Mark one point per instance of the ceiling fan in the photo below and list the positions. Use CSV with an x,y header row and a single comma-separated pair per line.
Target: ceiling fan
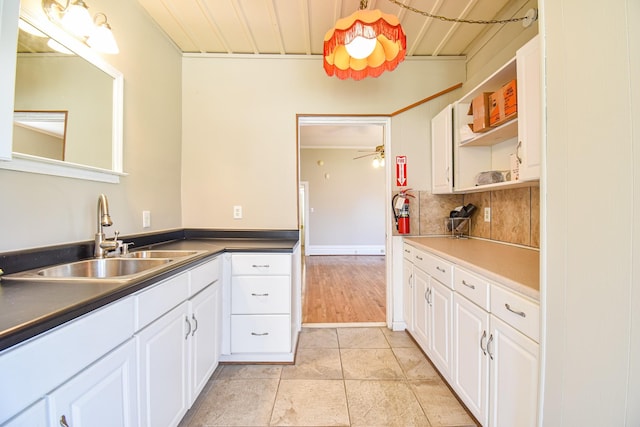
x,y
378,160
379,153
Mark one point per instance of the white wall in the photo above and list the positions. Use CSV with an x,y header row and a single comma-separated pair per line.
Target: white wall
x,y
591,211
239,128
38,210
347,197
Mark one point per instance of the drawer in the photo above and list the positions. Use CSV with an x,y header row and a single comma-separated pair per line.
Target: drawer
x,y
440,270
407,252
521,313
474,287
260,334
203,275
261,295
260,264
161,298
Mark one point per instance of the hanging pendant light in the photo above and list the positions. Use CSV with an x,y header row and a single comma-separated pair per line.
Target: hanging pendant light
x,y
365,44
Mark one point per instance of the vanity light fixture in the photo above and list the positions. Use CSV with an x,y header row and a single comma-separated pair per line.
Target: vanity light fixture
x,y
74,18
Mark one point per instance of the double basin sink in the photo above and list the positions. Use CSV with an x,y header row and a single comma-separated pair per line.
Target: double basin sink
x,y
122,269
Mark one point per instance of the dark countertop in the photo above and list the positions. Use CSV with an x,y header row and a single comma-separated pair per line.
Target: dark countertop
x,y
30,308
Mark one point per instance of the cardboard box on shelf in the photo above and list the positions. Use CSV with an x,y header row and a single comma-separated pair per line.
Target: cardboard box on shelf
x,y
479,108
503,104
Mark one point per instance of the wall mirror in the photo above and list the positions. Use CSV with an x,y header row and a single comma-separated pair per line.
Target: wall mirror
x,y
57,75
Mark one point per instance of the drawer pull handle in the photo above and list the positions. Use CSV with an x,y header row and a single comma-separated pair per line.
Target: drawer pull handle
x,y
407,251
484,349
256,334
519,313
186,319
260,266
63,421
468,285
419,257
440,269
259,295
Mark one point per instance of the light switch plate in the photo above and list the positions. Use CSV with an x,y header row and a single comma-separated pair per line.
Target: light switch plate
x,y
487,214
146,219
237,212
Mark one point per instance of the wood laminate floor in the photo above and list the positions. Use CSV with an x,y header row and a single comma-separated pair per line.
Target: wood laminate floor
x,y
343,289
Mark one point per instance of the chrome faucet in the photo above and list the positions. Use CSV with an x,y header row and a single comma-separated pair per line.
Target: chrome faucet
x,y
102,245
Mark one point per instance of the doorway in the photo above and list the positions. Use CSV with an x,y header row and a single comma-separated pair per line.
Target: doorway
x,y
345,267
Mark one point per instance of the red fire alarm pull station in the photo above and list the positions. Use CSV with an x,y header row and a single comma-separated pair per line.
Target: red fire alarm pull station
x,y
401,171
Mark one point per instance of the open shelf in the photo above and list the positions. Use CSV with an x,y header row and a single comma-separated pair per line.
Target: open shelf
x,y
495,136
497,186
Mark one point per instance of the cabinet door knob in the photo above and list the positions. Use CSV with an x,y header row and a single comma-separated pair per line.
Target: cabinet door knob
x,y
261,334
63,421
260,266
260,295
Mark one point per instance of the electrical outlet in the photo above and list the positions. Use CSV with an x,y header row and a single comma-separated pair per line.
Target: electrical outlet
x,y
237,212
487,214
146,219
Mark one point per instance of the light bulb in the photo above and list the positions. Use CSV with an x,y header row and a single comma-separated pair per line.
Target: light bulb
x,y
102,40
376,163
77,20
361,47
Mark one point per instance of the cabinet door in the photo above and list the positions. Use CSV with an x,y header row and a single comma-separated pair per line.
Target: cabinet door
x,y
34,416
529,73
513,378
407,294
441,152
9,12
421,315
103,395
470,373
206,311
163,360
441,306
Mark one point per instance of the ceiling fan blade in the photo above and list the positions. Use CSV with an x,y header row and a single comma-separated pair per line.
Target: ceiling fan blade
x,y
366,155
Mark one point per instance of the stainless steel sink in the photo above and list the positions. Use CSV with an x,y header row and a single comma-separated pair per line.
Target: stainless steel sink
x,y
119,270
161,254
102,268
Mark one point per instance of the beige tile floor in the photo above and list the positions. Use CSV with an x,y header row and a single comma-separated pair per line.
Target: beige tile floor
x,y
342,377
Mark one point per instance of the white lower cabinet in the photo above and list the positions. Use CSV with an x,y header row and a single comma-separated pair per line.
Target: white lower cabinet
x,y
470,360
178,352
163,366
261,325
431,308
102,395
440,313
33,416
408,293
481,336
513,381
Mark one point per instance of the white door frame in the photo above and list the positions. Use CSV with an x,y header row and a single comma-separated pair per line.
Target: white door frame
x,y
385,122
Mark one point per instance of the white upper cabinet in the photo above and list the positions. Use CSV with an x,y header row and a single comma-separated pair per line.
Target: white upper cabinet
x,y
530,122
441,148
460,156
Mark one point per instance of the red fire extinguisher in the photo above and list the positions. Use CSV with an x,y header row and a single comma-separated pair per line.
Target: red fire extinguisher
x,y
400,206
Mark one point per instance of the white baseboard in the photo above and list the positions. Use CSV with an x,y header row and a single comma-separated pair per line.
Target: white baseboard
x,y
344,250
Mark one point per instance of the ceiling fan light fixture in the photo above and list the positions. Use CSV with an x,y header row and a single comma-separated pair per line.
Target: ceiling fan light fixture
x,y
364,44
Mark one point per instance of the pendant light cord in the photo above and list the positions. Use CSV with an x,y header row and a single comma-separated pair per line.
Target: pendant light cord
x,y
465,21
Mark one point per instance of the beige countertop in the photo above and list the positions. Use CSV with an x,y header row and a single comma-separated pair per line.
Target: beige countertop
x,y
512,266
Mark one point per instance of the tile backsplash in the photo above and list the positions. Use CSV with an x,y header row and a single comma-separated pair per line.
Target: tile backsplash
x,y
515,214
